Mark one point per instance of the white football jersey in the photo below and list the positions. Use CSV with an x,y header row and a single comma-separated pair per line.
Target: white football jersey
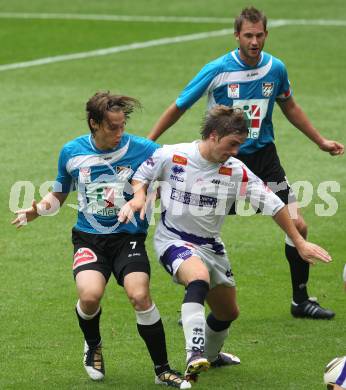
x,y
197,194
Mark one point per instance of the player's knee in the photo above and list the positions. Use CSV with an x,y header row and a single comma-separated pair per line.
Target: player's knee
x,y
90,301
140,299
198,274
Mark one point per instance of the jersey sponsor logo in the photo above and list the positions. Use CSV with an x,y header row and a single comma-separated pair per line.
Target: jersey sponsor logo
x,y
109,197
233,91
105,199
150,162
229,184
177,171
179,159
267,89
193,199
83,256
225,171
255,110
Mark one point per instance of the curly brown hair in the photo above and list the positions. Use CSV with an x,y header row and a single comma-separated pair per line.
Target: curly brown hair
x,y
102,102
225,121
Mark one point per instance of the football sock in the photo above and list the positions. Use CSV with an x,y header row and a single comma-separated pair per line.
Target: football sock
x,y
216,332
150,328
299,274
90,325
193,316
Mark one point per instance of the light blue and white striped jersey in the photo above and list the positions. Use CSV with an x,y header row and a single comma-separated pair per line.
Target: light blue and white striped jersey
x,y
102,181
229,81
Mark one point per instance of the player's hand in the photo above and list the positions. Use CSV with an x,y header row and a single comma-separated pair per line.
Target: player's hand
x,y
311,253
334,148
126,213
25,215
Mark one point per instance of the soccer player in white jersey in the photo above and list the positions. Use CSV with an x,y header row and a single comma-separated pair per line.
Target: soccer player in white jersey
x,y
99,166
199,182
254,80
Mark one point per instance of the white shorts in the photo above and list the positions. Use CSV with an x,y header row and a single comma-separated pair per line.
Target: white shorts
x,y
172,251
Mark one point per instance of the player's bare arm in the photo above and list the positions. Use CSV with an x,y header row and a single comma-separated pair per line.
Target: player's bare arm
x,y
167,119
50,204
299,119
137,203
307,250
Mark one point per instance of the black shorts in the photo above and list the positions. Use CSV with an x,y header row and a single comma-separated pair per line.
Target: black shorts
x,y
117,253
265,164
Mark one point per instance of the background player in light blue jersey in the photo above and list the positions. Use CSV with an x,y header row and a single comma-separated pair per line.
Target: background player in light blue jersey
x,y
99,166
254,80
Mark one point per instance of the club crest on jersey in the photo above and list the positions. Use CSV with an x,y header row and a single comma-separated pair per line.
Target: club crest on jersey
x,y
179,159
233,91
83,256
85,175
267,89
225,171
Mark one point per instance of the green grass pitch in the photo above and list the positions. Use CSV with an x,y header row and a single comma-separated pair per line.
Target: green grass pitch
x,y
42,107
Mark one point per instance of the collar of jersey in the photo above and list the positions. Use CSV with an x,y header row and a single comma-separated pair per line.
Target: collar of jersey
x,y
122,142
243,64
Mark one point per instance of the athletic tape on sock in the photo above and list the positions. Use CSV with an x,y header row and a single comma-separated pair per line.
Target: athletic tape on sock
x,y
86,316
149,316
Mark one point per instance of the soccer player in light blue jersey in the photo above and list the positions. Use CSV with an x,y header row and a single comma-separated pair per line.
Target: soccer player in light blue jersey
x,y
99,166
253,80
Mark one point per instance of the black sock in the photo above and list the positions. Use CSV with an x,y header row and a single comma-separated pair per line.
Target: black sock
x,y
299,274
154,338
90,329
217,325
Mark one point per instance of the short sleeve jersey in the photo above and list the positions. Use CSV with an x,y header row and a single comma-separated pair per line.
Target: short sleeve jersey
x,y
229,81
196,194
102,181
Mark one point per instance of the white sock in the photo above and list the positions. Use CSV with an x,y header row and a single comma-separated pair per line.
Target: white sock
x,y
214,342
193,318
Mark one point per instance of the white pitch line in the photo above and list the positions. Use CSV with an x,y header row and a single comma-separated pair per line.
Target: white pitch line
x,y
164,19
115,18
155,42
116,49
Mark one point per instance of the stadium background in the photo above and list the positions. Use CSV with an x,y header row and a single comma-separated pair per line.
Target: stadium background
x,y
42,107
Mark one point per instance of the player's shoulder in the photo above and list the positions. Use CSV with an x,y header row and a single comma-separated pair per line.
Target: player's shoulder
x,y
139,141
78,145
276,62
236,165
183,149
218,64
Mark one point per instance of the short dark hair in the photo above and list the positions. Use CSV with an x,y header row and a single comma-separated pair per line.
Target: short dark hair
x,y
102,102
252,15
225,121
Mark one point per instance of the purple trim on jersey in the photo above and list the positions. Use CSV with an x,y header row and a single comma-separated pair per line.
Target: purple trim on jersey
x,y
342,377
189,237
173,253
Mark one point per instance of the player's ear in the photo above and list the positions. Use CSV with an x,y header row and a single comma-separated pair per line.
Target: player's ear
x,y
236,35
94,125
213,135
